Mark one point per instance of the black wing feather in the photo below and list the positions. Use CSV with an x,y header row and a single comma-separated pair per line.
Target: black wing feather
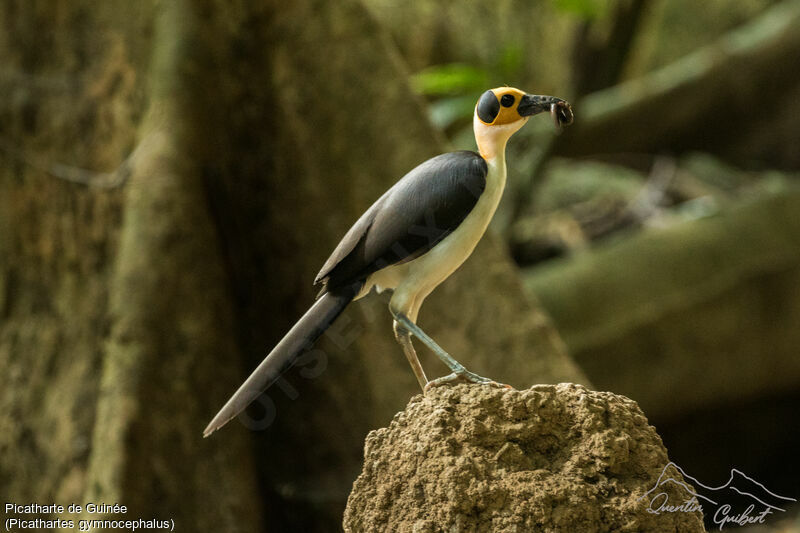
x,y
420,210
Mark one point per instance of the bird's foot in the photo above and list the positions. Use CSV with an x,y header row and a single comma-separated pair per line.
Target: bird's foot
x,y
464,376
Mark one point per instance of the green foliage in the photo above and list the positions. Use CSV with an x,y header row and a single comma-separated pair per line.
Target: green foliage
x,y
455,87
450,79
584,9
510,62
452,110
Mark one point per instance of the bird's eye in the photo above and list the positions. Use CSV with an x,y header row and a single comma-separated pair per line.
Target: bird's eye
x,y
507,100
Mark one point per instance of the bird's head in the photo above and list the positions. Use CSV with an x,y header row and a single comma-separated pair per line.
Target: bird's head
x,y
501,112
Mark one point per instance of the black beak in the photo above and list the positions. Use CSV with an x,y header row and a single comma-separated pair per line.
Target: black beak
x,y
532,104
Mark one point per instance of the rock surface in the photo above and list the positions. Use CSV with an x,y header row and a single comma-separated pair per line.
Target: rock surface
x,y
550,458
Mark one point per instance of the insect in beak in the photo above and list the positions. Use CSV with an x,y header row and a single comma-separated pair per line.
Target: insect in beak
x,y
561,112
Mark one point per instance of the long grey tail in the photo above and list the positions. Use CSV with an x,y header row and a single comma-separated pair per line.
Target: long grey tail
x,y
299,339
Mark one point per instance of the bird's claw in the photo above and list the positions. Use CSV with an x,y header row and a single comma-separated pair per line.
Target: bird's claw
x,y
465,377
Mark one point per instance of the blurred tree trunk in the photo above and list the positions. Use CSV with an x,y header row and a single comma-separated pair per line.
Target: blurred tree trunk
x,y
116,316
598,61
699,326
130,314
706,309
732,98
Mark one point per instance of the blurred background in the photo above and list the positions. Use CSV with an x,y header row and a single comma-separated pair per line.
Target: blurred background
x,y
173,175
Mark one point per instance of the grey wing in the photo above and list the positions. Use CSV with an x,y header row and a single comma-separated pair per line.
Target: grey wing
x,y
420,210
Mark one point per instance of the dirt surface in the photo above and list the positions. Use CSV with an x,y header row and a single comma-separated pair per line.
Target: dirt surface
x,y
550,458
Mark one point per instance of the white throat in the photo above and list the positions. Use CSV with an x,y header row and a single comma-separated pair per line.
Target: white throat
x,y
492,140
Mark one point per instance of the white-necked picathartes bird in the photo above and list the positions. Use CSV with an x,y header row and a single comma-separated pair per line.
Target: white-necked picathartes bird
x,y
410,240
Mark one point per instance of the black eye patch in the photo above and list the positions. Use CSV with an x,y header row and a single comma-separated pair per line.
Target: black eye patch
x,y
488,107
507,100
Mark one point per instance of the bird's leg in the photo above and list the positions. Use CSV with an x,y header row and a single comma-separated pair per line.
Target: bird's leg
x,y
403,337
459,372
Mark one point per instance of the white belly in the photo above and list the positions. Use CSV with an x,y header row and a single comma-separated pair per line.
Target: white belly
x,y
414,280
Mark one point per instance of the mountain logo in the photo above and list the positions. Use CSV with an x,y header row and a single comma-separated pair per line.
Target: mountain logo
x,y
741,500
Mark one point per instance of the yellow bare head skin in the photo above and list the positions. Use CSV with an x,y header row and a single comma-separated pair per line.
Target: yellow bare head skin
x,y
502,109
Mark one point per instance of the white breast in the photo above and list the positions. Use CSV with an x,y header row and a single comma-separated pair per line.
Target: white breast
x,y
414,280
